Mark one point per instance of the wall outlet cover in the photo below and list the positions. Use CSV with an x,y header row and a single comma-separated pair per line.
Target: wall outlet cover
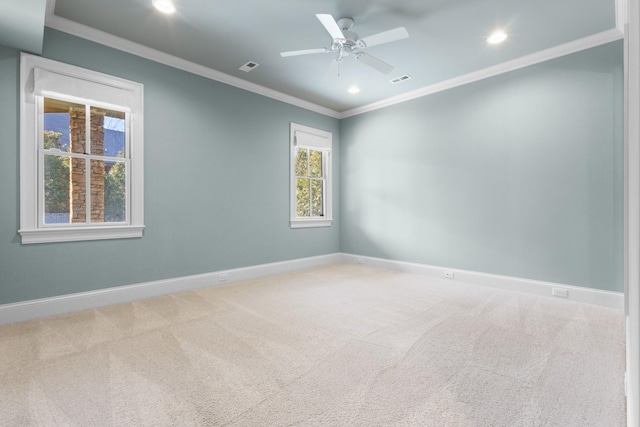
x,y
560,292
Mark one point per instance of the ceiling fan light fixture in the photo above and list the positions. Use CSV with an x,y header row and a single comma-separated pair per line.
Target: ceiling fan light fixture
x,y
164,6
497,37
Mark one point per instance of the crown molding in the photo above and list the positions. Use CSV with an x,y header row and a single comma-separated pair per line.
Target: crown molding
x,y
505,67
67,26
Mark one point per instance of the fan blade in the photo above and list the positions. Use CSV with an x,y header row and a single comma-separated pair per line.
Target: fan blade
x,y
374,62
304,52
384,37
330,25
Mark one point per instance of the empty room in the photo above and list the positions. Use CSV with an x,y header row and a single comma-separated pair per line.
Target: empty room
x,y
320,213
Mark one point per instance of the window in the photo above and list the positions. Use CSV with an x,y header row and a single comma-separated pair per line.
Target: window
x,y
81,154
310,177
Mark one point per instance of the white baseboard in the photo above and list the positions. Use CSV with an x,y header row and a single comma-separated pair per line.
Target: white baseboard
x,y
533,287
35,309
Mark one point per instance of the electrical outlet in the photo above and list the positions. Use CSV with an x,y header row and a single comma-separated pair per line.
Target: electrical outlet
x,y
448,274
559,292
223,277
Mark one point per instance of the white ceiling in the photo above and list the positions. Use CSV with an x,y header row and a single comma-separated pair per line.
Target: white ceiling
x,y
447,39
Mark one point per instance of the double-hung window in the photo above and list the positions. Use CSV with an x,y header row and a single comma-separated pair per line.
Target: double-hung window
x,y
310,177
81,175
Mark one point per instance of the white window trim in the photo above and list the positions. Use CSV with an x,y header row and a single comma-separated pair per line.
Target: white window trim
x,y
321,140
30,229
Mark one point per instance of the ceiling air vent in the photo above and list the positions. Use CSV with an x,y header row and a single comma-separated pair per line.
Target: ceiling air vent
x,y
400,79
249,66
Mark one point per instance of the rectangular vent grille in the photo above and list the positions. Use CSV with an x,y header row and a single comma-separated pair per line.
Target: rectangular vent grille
x,y
249,66
400,79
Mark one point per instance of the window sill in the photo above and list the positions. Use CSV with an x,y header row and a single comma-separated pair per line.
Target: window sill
x,y
308,223
51,235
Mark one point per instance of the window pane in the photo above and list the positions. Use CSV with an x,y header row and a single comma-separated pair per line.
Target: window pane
x,y
56,190
303,199
77,129
315,162
302,164
97,190
97,133
108,191
107,132
317,197
78,190
57,126
115,185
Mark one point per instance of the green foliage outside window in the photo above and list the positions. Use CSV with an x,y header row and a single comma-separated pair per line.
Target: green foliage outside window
x,y
56,178
315,163
302,162
115,193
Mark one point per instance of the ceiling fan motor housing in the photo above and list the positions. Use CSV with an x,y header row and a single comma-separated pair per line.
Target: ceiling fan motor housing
x,y
349,44
345,24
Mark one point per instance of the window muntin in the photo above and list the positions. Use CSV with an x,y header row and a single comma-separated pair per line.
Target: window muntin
x,y
310,177
74,186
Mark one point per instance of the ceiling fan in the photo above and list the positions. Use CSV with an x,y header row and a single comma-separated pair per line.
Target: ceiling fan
x,y
345,42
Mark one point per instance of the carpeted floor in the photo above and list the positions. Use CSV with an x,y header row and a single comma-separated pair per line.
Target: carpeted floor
x,y
336,346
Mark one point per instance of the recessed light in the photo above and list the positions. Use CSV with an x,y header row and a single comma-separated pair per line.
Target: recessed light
x,y
497,37
353,90
164,6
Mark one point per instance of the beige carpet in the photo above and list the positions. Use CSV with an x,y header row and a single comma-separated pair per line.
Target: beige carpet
x,y
337,346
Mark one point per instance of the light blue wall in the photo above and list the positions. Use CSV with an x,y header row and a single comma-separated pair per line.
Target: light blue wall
x,y
519,175
216,182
